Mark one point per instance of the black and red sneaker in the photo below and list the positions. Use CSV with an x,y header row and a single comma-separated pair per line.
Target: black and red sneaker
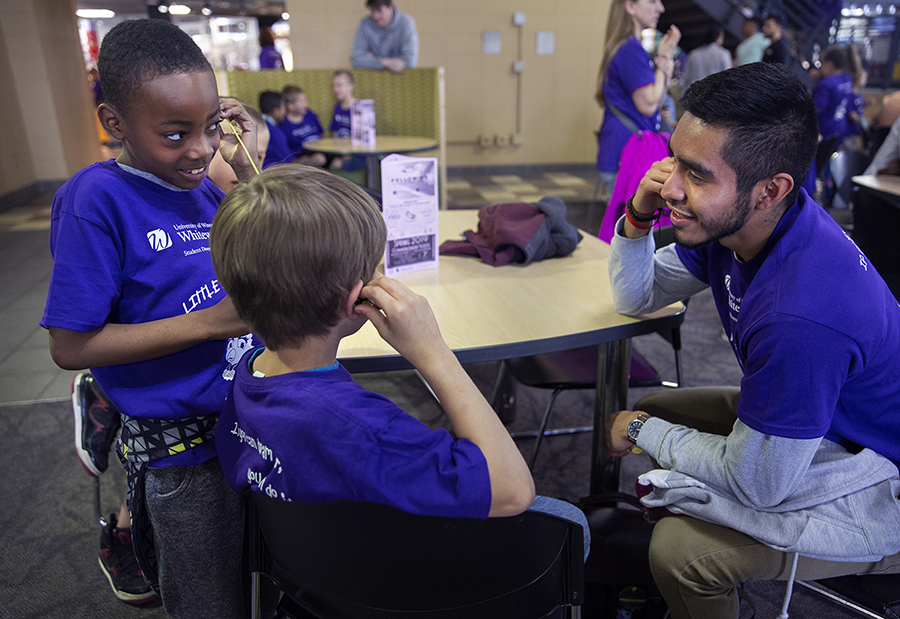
x,y
121,567
97,423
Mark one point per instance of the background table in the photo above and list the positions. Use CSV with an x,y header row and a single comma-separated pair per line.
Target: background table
x,y
490,313
876,224
384,145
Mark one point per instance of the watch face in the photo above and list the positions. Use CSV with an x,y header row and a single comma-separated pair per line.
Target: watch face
x,y
634,428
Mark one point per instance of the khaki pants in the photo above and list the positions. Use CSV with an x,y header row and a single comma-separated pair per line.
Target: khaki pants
x,y
697,565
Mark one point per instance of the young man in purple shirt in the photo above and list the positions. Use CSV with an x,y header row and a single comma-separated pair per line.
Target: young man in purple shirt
x,y
798,466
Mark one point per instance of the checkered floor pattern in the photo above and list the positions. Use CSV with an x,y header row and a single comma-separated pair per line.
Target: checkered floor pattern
x,y
476,191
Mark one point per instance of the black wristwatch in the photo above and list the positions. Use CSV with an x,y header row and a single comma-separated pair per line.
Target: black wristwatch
x,y
634,428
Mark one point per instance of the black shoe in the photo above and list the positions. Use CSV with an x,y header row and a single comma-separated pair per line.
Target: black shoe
x,y
121,568
97,423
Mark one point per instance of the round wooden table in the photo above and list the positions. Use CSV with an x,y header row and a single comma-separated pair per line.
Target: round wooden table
x,y
384,145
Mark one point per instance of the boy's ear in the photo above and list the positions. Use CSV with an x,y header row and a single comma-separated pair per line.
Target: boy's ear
x,y
350,301
111,120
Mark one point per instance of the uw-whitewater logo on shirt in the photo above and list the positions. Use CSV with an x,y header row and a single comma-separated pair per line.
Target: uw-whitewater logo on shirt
x,y
159,239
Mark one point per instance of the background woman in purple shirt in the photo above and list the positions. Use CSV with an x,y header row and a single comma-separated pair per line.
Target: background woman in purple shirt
x,y
630,79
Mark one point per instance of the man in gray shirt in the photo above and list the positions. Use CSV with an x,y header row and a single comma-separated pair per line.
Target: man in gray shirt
x,y
387,39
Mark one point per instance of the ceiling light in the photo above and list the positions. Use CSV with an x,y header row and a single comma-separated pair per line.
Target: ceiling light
x,y
285,16
179,9
206,10
163,8
95,13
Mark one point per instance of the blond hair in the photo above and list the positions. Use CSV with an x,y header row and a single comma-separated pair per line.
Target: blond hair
x,y
619,29
289,245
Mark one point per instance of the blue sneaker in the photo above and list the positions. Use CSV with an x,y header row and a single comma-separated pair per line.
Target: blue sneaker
x,y
97,423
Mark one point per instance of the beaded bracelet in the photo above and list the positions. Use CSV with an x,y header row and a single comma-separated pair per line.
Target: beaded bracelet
x,y
629,209
634,223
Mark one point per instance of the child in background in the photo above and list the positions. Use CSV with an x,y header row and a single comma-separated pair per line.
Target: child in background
x,y
295,249
221,174
133,296
272,107
300,125
343,85
838,107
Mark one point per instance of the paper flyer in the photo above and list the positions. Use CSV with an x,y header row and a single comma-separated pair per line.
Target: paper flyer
x,y
409,196
362,122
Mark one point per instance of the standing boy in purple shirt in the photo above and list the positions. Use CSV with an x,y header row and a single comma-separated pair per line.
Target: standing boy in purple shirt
x,y
134,297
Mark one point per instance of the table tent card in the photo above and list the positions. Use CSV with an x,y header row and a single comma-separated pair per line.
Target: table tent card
x,y
362,122
409,196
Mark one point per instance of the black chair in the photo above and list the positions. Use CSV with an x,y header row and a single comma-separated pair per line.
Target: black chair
x,y
869,595
364,560
573,369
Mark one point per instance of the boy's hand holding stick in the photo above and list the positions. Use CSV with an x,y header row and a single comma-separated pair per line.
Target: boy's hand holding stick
x,y
237,146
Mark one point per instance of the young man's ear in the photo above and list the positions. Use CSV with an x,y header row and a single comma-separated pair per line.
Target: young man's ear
x,y
774,190
111,120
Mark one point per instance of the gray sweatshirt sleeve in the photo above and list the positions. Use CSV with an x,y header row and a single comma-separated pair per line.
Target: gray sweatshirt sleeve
x,y
409,42
760,470
889,151
359,56
644,280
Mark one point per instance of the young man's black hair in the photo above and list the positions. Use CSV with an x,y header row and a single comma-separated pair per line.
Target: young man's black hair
x,y
770,130
139,50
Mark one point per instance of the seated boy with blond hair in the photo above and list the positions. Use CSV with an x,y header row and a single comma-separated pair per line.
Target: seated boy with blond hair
x,y
297,250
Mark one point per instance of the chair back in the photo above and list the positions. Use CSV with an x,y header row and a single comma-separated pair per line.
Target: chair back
x,y
362,560
844,165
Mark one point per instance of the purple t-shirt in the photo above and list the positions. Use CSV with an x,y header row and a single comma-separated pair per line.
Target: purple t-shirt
x,y
834,99
631,68
269,58
340,122
307,130
278,150
815,330
127,250
318,436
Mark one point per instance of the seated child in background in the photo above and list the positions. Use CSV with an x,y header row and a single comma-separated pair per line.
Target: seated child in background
x,y
295,249
220,173
272,107
300,125
343,85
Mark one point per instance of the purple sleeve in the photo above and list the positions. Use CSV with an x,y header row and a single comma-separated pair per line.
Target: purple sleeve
x,y
428,472
790,395
634,66
86,280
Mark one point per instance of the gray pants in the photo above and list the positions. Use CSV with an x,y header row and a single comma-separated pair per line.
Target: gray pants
x,y
697,565
198,529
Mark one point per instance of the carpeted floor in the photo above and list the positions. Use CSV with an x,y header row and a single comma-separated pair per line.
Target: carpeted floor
x,y
49,539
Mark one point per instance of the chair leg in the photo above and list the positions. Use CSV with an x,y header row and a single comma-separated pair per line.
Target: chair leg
x,y
255,601
98,513
542,429
503,400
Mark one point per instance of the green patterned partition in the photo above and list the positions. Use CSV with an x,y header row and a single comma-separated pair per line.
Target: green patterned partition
x,y
405,104
411,103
